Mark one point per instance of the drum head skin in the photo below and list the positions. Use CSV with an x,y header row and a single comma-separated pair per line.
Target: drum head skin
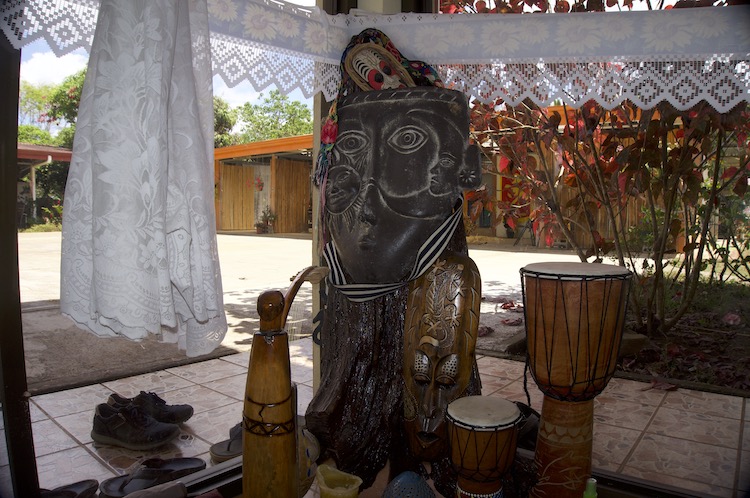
x,y
484,412
562,270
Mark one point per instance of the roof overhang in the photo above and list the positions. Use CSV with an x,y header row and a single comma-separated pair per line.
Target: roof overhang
x,y
301,144
29,155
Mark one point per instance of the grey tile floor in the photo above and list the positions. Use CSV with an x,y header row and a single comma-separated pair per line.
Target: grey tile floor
x,y
692,440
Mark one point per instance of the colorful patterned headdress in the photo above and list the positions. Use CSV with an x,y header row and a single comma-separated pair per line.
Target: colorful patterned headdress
x,y
367,50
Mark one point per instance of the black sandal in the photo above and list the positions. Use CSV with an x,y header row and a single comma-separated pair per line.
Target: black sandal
x,y
80,489
151,472
229,448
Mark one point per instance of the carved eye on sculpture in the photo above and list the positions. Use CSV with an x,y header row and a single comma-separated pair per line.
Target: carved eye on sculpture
x,y
448,371
421,368
375,77
407,139
342,188
351,142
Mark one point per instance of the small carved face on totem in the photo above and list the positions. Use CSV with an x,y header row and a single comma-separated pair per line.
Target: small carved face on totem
x,y
439,341
372,67
399,164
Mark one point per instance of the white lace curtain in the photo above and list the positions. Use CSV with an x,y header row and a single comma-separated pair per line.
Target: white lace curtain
x,y
683,56
139,252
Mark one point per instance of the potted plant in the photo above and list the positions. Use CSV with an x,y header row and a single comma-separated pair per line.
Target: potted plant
x,y
267,218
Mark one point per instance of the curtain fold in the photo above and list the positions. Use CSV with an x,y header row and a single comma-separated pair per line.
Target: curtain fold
x,y
139,253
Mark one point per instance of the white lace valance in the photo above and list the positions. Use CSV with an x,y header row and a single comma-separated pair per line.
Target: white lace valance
x,y
683,56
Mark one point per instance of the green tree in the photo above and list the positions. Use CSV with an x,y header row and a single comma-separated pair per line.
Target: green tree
x,y
275,117
31,134
65,99
33,104
65,136
224,120
50,181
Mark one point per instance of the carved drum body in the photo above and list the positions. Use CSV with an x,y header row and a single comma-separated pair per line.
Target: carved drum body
x,y
483,432
575,314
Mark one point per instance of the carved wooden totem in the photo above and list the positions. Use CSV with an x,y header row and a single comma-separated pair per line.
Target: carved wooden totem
x,y
393,205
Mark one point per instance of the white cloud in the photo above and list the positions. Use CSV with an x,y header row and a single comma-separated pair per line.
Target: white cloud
x,y
39,65
237,95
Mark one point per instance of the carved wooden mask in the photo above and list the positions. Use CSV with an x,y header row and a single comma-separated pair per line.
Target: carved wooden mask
x,y
440,334
400,162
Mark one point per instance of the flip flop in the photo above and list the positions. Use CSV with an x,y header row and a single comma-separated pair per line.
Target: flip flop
x,y
152,472
229,448
80,489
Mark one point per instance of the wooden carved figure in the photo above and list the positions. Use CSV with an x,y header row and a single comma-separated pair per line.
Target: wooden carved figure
x,y
442,318
392,206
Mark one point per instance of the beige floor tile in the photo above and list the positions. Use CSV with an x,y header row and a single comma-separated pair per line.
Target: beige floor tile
x,y
234,387
621,412
208,371
69,466
3,452
500,367
304,396
612,445
160,382
682,459
36,413
78,425
122,460
241,359
216,389
6,486
50,438
302,347
744,478
200,398
719,405
515,392
690,486
214,425
634,391
77,400
302,369
491,384
696,426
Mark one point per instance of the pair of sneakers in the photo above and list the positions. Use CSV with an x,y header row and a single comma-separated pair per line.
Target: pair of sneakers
x,y
140,423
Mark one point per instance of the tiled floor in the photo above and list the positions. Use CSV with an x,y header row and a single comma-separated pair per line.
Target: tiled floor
x,y
689,439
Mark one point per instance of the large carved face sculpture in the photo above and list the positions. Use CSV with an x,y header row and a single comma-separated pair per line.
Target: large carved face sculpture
x,y
442,318
399,164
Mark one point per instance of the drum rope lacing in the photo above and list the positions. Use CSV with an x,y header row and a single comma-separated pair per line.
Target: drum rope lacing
x,y
577,329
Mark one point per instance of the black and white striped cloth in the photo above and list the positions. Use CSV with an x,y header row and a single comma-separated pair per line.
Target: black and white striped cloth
x,y
427,254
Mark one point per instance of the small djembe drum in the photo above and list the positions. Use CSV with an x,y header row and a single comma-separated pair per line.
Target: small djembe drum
x,y
482,434
574,314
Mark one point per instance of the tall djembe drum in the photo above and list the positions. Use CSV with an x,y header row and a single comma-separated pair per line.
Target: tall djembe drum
x,y
575,314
